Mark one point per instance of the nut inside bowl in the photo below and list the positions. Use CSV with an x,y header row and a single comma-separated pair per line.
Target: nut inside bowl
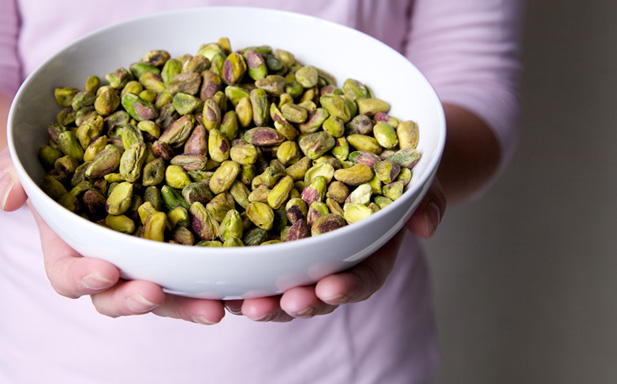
x,y
241,272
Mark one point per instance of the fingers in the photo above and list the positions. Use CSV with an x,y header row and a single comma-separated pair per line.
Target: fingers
x,y
265,309
355,285
302,302
362,281
129,298
70,274
200,311
12,195
427,217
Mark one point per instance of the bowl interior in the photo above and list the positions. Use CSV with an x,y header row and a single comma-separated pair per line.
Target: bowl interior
x,y
339,50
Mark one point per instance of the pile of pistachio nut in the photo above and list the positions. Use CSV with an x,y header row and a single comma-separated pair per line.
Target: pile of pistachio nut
x,y
225,148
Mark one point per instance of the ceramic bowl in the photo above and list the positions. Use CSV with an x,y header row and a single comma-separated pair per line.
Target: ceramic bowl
x,y
228,273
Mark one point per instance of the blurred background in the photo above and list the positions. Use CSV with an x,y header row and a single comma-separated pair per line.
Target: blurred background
x,y
525,278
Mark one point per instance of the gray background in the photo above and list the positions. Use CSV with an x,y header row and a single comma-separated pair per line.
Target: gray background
x,y
525,278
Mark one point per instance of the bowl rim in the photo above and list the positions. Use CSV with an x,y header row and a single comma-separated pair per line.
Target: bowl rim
x,y
419,184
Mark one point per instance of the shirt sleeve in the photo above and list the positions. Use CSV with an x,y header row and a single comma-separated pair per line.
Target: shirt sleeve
x,y
10,68
469,52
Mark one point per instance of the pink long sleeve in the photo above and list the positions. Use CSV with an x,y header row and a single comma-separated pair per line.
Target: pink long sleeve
x,y
468,50
9,63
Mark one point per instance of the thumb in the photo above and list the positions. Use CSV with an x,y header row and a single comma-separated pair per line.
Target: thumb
x,y
12,195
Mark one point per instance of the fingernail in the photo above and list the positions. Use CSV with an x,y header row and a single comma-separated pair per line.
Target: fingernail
x,y
6,185
336,299
96,282
201,320
233,309
138,304
266,317
305,313
432,216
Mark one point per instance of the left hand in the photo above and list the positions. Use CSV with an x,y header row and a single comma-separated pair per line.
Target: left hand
x,y
351,286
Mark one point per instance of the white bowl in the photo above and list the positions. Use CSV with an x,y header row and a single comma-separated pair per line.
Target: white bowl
x,y
228,273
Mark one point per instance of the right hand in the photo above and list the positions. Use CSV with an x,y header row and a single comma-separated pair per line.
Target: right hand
x,y
73,275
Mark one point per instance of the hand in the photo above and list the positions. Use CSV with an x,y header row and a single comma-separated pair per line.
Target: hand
x,y
73,276
354,285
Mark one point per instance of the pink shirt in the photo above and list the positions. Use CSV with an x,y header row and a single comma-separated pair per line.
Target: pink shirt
x,y
467,49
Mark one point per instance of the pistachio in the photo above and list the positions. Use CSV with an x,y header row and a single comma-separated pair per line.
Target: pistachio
x,y
261,215
356,212
260,107
153,172
255,236
385,135
153,82
354,89
185,103
298,169
360,124
407,157
361,195
408,134
280,192
197,143
315,191
218,146
183,236
364,143
337,191
220,205
93,83
387,170
294,113
371,106
197,192
326,223
224,176
393,190
69,145
176,177
120,223
132,161
272,84
119,200
105,162
244,110
179,217
48,156
52,187
366,158
355,175
155,57
382,201
243,153
196,64
176,134
264,137
288,152
256,64
154,226
336,106
307,76
296,209
119,78
231,226
204,224
138,108
316,144
287,130
234,68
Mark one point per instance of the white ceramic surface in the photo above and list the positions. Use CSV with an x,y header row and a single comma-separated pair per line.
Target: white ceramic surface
x,y
225,273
